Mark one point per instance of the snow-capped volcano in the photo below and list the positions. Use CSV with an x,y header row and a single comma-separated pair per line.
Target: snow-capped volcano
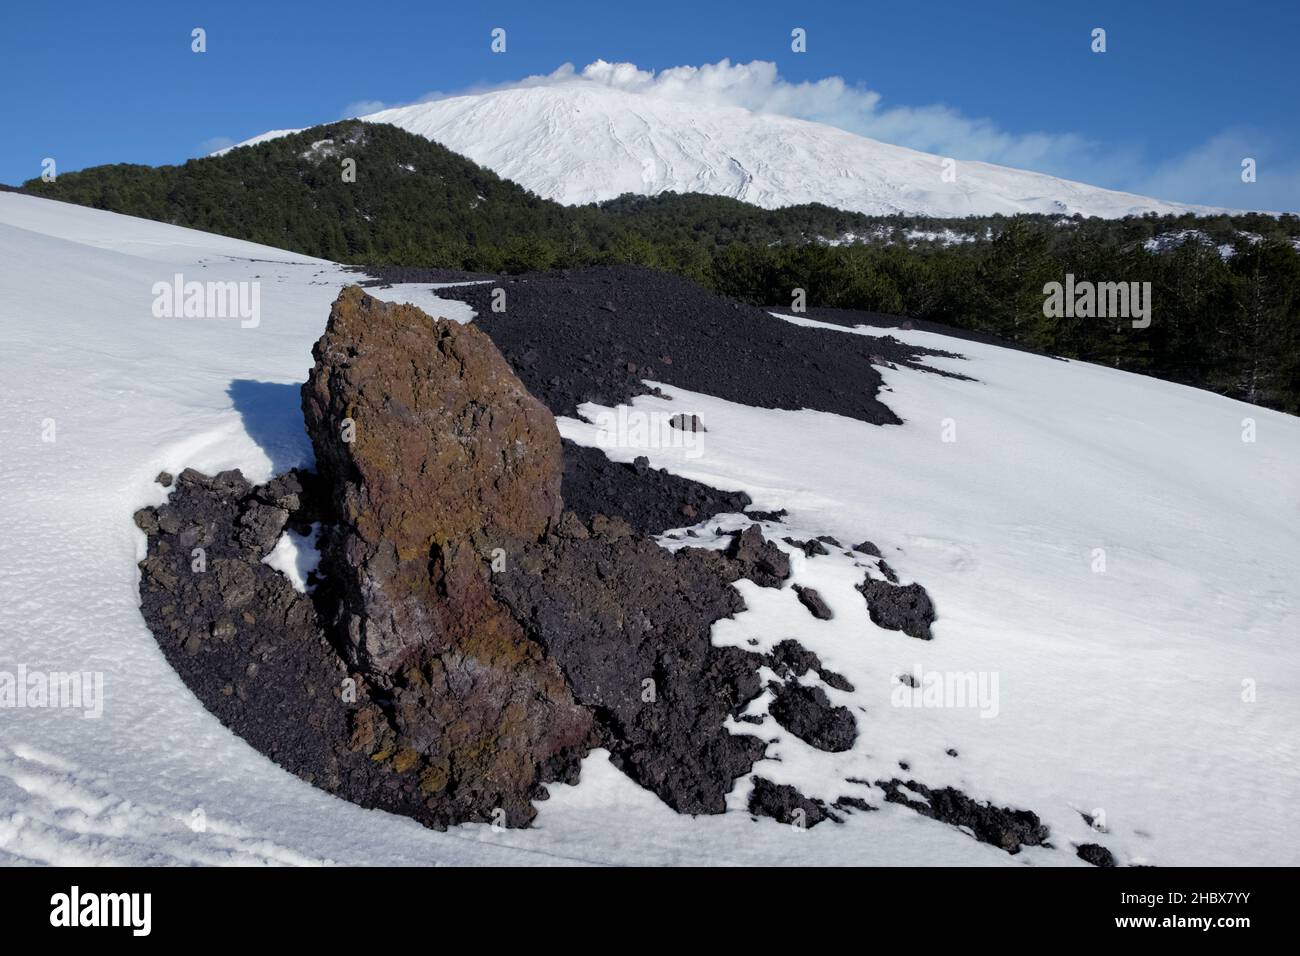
x,y
581,142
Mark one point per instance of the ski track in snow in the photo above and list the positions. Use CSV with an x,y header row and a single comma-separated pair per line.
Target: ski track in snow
x,y
1119,691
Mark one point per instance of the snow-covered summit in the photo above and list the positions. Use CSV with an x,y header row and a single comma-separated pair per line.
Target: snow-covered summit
x,y
579,142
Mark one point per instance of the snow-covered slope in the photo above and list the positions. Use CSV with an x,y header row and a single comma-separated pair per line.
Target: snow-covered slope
x,y
582,142
1119,690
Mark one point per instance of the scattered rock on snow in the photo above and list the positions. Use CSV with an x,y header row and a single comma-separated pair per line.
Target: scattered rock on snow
x,y
785,803
887,571
808,714
853,803
764,563
809,548
1096,854
687,423
1000,826
790,659
813,601
899,608
472,687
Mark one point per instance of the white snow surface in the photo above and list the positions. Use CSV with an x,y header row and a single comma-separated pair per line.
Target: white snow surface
x,y
580,142
296,556
1119,691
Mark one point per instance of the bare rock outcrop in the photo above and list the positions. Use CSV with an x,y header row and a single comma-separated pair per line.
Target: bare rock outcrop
x,y
438,461
435,455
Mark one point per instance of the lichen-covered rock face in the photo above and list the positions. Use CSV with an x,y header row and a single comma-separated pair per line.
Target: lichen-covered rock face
x,y
435,455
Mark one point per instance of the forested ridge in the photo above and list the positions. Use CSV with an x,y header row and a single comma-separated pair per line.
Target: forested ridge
x,y
1225,290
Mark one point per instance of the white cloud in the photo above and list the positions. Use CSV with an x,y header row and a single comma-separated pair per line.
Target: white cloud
x,y
210,146
362,108
1213,170
758,86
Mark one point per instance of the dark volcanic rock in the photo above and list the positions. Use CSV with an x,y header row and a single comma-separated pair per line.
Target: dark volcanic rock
x,y
809,548
651,500
853,803
1001,826
866,547
629,624
211,602
597,334
763,562
786,804
898,608
1096,854
251,648
812,600
808,714
687,423
791,659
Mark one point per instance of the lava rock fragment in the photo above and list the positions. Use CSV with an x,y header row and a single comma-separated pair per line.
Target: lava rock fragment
x,y
905,608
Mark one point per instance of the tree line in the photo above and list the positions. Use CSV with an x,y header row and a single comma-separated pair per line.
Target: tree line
x,y
1225,290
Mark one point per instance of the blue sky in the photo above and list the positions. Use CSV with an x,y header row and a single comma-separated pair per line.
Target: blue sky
x,y
1184,91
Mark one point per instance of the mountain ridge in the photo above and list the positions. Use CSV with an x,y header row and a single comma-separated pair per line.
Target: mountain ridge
x,y
579,143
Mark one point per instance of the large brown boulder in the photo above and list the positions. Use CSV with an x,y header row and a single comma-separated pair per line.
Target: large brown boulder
x,y
435,457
